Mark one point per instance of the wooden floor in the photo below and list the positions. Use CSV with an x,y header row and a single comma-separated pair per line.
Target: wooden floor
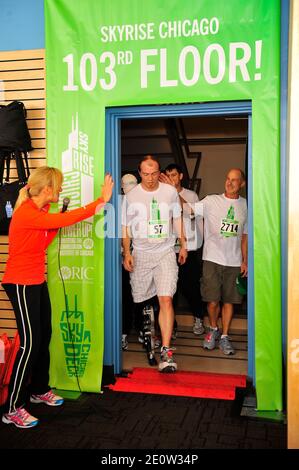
x,y
189,353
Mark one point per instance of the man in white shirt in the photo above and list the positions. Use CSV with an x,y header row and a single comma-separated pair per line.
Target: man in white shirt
x,y
224,255
151,211
190,272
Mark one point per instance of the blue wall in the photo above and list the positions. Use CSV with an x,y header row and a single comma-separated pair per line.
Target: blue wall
x,y
22,24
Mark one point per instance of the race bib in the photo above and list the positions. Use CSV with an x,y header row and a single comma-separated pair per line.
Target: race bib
x,y
158,230
229,228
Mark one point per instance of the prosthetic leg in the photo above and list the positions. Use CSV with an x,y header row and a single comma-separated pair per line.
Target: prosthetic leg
x,y
149,333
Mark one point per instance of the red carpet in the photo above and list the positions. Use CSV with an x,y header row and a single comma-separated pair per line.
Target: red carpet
x,y
183,383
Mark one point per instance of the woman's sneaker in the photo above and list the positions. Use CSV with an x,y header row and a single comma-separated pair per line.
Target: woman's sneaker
x,y
49,398
198,327
20,418
167,363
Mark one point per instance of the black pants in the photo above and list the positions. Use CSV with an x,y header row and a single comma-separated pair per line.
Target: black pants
x,y
189,283
30,372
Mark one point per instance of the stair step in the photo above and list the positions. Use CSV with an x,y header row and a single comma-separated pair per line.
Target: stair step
x,y
187,350
189,378
204,391
182,383
187,319
222,363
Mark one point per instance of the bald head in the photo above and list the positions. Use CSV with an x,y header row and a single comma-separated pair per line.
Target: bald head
x,y
149,171
241,173
235,181
149,159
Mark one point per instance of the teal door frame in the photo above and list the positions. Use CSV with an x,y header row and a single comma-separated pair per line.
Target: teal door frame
x,y
113,298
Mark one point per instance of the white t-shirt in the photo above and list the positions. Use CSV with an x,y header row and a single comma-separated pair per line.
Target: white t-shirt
x,y
225,221
193,225
149,215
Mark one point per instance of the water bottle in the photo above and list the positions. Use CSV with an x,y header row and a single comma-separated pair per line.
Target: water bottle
x,y
8,209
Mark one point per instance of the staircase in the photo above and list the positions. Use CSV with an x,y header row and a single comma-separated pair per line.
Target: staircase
x,y
189,353
182,383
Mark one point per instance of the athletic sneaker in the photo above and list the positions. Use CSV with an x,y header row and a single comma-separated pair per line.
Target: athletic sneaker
x,y
20,418
226,346
198,327
167,363
49,398
210,339
124,342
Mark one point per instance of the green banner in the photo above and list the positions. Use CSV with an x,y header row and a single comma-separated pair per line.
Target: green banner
x,y
127,52
75,265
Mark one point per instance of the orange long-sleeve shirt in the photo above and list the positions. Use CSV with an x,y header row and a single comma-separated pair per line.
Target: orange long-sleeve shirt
x,y
31,231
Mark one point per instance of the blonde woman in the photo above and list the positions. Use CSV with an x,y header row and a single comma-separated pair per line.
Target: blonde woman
x,y
31,231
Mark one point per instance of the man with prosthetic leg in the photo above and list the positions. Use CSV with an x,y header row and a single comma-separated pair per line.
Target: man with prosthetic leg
x,y
151,210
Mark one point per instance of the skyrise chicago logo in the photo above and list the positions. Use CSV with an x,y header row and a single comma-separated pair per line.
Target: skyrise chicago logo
x,y
76,340
77,166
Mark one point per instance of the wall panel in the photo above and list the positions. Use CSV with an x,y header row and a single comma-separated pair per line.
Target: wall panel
x,y
22,78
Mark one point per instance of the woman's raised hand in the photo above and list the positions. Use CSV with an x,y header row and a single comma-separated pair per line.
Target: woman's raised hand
x,y
107,187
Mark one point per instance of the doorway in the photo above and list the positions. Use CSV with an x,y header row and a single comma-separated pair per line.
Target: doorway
x,y
198,135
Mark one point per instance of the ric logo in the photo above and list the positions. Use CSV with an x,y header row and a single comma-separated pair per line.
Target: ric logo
x,y
76,273
76,340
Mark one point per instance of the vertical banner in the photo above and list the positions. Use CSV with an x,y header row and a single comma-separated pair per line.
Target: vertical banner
x,y
76,258
73,276
129,53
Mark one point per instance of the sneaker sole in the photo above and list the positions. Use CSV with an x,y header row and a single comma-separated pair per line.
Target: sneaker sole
x,y
168,370
228,353
27,426
209,347
37,400
199,332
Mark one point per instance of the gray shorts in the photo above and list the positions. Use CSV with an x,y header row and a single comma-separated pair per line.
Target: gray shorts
x,y
154,274
219,283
